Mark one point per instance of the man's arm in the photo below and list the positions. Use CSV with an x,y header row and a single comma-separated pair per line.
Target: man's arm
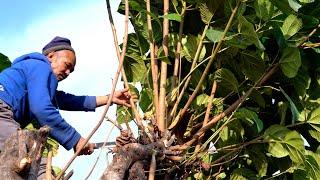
x,y
40,83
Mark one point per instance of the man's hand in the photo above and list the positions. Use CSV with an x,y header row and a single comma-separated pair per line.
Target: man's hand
x,y
86,150
122,97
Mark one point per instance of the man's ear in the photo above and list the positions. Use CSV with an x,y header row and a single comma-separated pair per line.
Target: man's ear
x,y
50,56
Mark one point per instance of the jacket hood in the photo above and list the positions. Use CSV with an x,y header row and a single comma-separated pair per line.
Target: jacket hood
x,y
35,55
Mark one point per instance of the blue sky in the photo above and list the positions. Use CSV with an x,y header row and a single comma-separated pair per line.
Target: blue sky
x,y
26,26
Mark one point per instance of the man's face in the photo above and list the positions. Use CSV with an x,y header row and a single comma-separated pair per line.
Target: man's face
x,y
62,63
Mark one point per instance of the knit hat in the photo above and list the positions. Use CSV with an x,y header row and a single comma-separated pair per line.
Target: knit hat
x,y
57,44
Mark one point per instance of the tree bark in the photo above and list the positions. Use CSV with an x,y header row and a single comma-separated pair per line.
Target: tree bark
x,y
136,172
127,155
22,152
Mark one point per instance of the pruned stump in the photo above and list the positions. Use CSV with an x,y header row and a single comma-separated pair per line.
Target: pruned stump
x,y
22,152
126,158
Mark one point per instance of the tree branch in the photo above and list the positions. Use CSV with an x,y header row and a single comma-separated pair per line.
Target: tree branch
x,y
214,53
154,71
163,76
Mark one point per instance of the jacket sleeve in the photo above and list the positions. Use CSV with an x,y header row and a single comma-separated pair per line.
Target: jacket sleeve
x,y
40,81
70,102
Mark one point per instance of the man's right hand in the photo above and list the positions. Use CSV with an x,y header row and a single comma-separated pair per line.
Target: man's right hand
x,y
86,150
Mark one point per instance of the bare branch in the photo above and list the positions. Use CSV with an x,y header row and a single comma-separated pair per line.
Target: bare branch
x,y
153,166
163,76
154,65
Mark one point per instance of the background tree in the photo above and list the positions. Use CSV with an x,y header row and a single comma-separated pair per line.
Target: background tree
x,y
241,86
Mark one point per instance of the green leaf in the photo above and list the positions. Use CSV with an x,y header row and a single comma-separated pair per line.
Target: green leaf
x,y
312,166
202,100
214,35
306,1
264,9
134,67
206,14
51,144
247,31
291,25
136,44
162,57
242,174
283,5
250,117
314,117
259,160
276,132
231,134
173,17
195,78
294,111
301,83
4,62
294,5
145,99
315,134
283,142
300,174
257,97
226,79
282,110
252,65
290,62
190,46
57,170
295,146
124,114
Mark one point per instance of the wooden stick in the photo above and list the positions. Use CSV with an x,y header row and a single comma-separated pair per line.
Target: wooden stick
x,y
124,77
206,117
153,166
154,65
163,75
49,164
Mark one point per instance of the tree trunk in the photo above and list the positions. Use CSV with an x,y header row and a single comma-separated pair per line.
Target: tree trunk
x,y
21,156
127,155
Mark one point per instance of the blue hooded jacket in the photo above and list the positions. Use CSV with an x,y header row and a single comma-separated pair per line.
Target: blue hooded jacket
x,y
29,87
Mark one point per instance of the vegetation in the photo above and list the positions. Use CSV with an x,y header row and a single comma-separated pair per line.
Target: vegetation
x,y
236,81
235,84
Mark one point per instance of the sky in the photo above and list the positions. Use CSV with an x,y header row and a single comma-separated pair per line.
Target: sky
x,y
26,26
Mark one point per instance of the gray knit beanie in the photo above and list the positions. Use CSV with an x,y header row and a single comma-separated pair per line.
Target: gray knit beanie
x,y
57,44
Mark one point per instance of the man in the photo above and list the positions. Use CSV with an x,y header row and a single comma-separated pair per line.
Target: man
x,y
28,90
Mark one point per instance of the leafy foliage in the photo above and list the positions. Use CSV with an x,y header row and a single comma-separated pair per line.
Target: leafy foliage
x,y
4,62
277,127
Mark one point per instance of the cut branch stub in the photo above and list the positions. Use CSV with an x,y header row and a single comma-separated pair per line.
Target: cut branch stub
x,y
127,155
21,156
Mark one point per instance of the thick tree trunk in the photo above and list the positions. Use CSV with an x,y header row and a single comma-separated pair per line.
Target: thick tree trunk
x,y
127,155
136,172
21,156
